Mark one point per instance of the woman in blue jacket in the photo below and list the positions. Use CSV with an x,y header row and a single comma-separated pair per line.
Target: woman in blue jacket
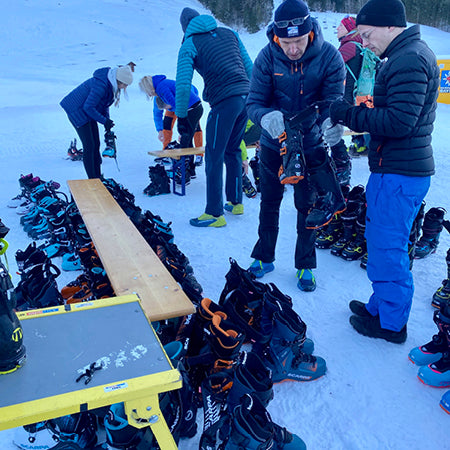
x,y
89,103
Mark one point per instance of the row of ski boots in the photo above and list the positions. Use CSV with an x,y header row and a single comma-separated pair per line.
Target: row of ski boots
x,y
344,235
158,234
433,358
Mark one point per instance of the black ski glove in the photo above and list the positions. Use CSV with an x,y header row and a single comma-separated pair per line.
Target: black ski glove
x,y
183,126
109,124
339,111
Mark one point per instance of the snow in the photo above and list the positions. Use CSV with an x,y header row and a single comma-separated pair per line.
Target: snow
x,y
370,398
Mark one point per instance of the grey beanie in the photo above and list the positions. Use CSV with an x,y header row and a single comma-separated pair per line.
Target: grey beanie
x,y
186,16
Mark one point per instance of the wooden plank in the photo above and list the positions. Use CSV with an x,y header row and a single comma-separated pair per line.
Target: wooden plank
x,y
129,261
177,153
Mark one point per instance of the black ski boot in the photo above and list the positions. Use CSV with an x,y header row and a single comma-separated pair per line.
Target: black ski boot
x,y
357,247
414,234
442,296
432,227
254,165
252,429
12,350
331,233
247,187
159,181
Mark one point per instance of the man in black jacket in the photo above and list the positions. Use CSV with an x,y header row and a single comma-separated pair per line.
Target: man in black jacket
x,y
400,160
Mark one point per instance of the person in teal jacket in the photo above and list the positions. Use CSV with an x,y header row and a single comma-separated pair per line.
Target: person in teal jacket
x,y
221,59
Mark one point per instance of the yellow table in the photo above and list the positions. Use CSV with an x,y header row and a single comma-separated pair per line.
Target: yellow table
x,y
61,344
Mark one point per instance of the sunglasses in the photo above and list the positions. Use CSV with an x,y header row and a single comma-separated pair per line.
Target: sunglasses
x,y
297,21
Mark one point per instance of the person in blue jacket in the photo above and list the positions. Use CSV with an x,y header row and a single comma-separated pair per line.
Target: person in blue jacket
x,y
400,161
295,70
220,58
163,91
88,104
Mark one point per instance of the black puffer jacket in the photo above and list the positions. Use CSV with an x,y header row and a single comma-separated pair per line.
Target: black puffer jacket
x,y
278,83
401,122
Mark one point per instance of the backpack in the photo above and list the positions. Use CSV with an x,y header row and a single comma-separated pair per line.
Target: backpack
x,y
364,83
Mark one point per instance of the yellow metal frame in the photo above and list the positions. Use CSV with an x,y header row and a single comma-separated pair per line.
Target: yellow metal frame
x,y
140,395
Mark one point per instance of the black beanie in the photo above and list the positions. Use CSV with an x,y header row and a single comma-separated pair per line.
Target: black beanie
x,y
382,13
289,10
186,16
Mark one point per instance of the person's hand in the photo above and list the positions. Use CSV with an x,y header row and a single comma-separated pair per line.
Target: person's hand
x,y
273,123
245,166
161,136
183,125
332,133
339,110
109,124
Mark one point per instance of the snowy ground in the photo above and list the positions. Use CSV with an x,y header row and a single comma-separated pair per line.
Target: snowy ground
x,y
370,397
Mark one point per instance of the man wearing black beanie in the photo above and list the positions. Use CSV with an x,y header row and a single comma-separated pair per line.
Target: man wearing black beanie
x,y
400,160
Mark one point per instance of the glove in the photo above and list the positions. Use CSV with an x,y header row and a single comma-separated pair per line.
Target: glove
x,y
273,123
109,124
183,125
339,110
332,133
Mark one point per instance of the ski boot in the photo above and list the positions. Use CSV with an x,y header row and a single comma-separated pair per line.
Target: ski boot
x,y
254,165
357,247
110,141
73,153
247,187
437,373
432,227
445,402
159,181
433,350
12,350
252,429
414,234
442,296
285,355
324,210
329,235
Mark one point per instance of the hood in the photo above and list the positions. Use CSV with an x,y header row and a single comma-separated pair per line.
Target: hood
x,y
312,50
201,24
186,16
101,74
156,79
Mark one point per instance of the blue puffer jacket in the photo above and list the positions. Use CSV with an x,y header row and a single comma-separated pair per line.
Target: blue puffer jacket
x,y
279,83
404,98
90,100
219,57
165,90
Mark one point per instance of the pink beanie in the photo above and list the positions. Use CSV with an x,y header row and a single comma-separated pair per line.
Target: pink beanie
x,y
349,23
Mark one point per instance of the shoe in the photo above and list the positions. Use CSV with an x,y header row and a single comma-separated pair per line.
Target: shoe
x,y
445,402
306,280
207,220
356,151
359,308
259,268
236,209
323,211
430,352
198,160
370,326
436,374
431,230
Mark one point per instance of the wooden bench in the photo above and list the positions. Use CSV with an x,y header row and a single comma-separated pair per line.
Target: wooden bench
x,y
129,261
178,156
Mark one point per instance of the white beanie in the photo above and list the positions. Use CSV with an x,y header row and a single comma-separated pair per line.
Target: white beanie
x,y
124,75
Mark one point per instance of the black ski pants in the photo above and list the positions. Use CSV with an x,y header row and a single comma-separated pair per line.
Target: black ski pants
x,y
320,180
90,138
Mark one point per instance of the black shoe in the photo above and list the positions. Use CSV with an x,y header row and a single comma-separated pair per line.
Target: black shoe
x,y
324,210
359,308
370,326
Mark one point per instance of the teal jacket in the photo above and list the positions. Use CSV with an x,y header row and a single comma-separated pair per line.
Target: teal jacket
x,y
219,57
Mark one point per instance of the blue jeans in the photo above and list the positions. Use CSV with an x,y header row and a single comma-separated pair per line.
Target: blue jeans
x,y
393,202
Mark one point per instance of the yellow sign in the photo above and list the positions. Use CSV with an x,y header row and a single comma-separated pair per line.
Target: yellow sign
x,y
444,83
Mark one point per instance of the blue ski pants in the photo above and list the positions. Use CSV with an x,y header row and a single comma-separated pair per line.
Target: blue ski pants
x,y
393,202
224,132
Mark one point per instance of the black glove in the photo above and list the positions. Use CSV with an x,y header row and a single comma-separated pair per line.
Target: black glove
x,y
183,125
109,124
339,110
